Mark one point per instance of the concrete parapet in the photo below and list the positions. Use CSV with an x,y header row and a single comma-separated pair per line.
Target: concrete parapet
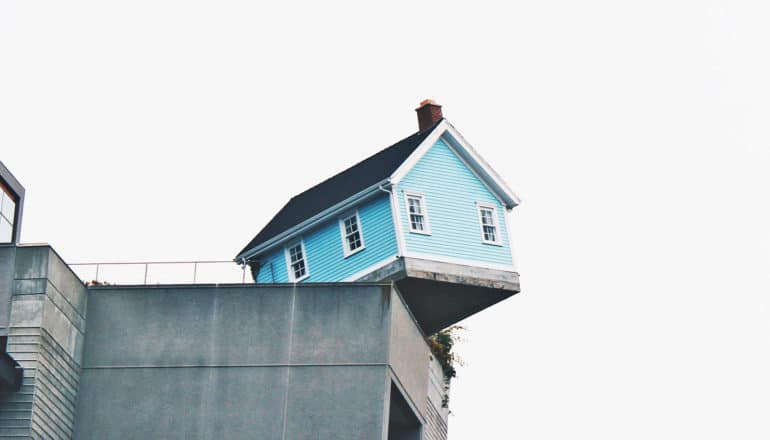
x,y
308,361
45,330
311,361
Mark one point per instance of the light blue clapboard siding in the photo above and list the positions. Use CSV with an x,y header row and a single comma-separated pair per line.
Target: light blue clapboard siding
x,y
273,268
451,191
323,245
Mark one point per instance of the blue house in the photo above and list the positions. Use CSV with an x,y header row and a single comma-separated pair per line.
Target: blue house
x,y
427,213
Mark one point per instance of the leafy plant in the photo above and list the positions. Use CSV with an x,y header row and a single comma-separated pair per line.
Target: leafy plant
x,y
441,344
97,283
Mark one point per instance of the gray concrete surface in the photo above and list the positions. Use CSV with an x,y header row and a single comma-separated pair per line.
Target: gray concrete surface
x,y
45,335
315,361
440,294
407,350
7,258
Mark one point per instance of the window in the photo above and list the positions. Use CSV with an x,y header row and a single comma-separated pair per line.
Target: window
x,y
402,423
7,214
418,213
352,238
296,263
488,220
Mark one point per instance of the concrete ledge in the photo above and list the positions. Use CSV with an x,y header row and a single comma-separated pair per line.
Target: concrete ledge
x,y
441,294
461,274
236,285
405,267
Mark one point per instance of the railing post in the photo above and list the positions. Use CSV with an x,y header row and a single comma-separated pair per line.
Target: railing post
x,y
98,269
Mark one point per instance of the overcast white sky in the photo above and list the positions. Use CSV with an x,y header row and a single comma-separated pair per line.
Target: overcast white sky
x,y
635,132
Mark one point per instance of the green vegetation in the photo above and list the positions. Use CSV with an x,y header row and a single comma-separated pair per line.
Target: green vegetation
x,y
97,283
441,344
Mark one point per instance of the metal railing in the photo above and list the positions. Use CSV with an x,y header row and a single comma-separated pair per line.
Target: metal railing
x,y
161,272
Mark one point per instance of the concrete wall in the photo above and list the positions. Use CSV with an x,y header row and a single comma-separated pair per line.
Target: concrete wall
x,y
407,351
437,407
417,373
7,258
45,335
247,361
311,361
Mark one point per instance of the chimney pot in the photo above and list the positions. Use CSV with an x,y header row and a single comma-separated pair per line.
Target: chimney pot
x,y
428,113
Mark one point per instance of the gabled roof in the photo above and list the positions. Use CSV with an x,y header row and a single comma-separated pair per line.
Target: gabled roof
x,y
337,188
387,167
446,131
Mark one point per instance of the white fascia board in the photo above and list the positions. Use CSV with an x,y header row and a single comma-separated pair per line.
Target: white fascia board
x,y
396,217
321,217
469,155
483,181
483,168
510,239
419,152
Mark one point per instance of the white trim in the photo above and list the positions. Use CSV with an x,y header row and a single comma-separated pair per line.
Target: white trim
x,y
476,163
371,269
464,150
462,261
510,238
287,256
343,232
473,171
312,221
419,152
486,170
498,235
461,147
396,218
423,207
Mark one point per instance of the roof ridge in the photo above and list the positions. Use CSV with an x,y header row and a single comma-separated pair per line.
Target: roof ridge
x,y
340,186
356,164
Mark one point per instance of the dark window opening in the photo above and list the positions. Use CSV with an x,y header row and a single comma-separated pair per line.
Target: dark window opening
x,y
7,214
402,423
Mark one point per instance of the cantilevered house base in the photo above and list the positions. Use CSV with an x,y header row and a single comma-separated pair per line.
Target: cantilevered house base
x,y
440,294
427,213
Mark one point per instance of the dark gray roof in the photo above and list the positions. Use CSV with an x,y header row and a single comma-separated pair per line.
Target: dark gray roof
x,y
339,187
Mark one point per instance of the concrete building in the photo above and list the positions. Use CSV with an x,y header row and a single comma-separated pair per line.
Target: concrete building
x,y
312,361
301,360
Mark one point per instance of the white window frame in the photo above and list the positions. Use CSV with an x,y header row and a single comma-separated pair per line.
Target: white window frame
x,y
287,255
423,205
498,231
343,233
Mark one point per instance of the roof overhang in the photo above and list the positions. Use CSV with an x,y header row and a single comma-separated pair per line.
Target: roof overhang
x,y
445,130
313,221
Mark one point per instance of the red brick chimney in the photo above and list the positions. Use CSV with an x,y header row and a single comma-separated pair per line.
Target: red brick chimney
x,y
428,113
